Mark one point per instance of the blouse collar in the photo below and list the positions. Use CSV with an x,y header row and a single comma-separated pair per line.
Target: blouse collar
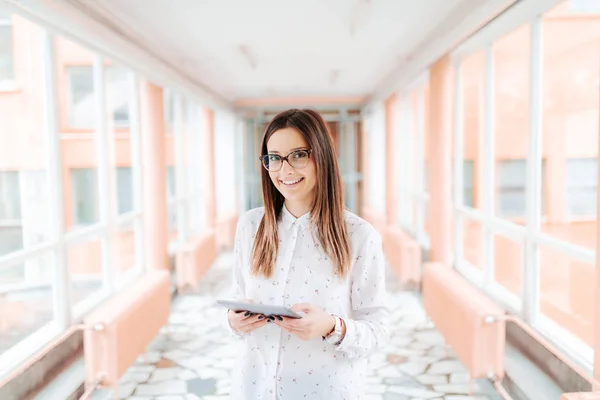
x,y
288,219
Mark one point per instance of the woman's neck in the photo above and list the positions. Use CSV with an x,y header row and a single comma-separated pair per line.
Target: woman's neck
x,y
296,208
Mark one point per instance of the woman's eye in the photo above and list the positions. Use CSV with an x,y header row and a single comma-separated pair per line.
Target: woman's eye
x,y
300,155
273,157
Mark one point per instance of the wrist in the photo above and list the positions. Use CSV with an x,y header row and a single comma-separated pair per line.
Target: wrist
x,y
330,326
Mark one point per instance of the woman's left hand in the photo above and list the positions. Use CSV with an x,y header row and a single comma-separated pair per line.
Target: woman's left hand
x,y
315,323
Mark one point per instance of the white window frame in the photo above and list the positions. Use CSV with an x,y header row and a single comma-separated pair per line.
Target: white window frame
x,y
530,237
64,314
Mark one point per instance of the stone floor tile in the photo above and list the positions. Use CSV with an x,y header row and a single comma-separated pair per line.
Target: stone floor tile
x,y
415,392
162,388
201,387
135,377
165,374
453,388
446,367
459,377
389,372
126,389
432,379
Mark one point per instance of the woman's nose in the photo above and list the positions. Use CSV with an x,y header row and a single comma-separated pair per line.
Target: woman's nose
x,y
286,168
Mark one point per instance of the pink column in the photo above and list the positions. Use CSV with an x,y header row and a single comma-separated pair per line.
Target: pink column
x,y
209,157
154,175
440,151
391,152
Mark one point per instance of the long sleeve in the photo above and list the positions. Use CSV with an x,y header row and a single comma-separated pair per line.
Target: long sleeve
x,y
367,329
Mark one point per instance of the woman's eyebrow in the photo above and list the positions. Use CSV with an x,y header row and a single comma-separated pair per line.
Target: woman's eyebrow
x,y
294,149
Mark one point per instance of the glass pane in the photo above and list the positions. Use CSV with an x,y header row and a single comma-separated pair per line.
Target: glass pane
x,y
567,291
473,75
510,189
582,181
125,251
26,299
85,266
77,106
84,196
77,100
82,106
125,189
508,262
7,72
170,182
117,92
468,178
571,64
511,122
25,213
472,244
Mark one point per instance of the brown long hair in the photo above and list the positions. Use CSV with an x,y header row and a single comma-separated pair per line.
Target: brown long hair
x,y
327,209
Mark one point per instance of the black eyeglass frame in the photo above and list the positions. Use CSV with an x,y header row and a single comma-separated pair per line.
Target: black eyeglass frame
x,y
262,159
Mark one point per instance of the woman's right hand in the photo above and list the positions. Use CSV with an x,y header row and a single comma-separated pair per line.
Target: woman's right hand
x,y
244,321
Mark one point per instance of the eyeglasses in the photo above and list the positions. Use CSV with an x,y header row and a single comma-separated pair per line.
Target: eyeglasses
x,y
296,159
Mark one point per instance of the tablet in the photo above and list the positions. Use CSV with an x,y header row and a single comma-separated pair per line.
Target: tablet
x,y
264,309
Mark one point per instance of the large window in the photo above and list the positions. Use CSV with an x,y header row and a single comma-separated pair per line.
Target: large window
x,y
412,114
185,169
529,120
69,222
571,71
26,216
7,72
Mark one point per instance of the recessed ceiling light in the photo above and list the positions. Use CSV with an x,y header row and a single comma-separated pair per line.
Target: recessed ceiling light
x,y
248,55
334,75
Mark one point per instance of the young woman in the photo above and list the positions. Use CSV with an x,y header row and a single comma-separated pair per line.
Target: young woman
x,y
305,251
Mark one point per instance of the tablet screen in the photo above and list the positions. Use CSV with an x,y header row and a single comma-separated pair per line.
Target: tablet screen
x,y
264,309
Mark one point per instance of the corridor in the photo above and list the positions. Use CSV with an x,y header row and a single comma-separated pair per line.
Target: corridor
x,y
193,356
134,135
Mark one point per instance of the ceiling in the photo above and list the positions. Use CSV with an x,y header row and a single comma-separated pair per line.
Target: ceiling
x,y
271,48
239,53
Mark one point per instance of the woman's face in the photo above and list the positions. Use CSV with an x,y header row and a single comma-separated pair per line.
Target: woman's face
x,y
294,183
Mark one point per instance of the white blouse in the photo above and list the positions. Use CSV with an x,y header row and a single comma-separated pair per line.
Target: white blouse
x,y
274,364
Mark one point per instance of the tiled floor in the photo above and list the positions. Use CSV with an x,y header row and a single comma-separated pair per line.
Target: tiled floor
x,y
193,356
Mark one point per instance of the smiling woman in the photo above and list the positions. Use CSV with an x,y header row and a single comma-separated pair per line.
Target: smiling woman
x,y
304,251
